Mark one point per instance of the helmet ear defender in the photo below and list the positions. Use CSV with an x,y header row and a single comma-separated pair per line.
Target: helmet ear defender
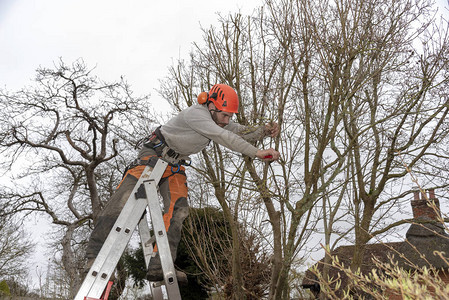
x,y
202,97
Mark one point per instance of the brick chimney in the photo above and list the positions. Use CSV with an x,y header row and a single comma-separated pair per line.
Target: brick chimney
x,y
426,208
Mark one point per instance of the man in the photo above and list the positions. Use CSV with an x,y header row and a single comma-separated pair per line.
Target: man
x,y
187,133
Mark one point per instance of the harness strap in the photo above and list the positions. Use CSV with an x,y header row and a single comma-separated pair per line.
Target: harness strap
x,y
157,142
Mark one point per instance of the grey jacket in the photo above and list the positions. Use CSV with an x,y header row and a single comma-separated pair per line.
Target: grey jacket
x,y
193,128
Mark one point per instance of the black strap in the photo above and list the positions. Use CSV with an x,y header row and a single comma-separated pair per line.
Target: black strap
x,y
159,135
146,162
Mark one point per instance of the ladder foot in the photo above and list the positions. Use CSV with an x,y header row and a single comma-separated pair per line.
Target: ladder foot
x,y
105,293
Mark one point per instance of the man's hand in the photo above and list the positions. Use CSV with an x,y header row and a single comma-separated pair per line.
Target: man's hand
x,y
271,129
268,155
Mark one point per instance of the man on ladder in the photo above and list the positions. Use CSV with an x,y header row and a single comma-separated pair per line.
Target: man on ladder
x,y
187,133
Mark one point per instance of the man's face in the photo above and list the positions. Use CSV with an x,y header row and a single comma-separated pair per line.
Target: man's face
x,y
221,118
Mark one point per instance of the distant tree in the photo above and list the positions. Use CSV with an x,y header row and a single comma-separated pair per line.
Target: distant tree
x,y
15,247
18,287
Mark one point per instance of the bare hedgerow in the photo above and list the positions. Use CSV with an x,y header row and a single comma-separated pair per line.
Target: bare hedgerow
x,y
386,280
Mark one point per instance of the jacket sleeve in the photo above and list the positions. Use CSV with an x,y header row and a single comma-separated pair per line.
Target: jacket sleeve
x,y
248,133
203,124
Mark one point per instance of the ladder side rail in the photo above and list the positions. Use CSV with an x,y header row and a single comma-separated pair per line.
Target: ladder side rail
x,y
147,245
171,282
110,253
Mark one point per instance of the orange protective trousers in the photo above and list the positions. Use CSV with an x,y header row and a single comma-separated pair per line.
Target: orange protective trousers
x,y
173,189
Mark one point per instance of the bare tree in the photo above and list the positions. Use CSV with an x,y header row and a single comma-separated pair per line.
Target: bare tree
x,y
352,88
65,140
15,247
390,92
239,54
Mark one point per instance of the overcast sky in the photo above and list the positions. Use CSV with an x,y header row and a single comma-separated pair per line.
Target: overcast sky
x,y
138,39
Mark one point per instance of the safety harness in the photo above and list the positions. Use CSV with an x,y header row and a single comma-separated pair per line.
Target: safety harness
x,y
156,141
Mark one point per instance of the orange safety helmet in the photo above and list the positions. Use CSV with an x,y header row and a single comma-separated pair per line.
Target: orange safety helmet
x,y
222,96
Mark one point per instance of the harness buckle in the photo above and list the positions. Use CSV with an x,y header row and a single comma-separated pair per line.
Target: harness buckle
x,y
177,170
170,155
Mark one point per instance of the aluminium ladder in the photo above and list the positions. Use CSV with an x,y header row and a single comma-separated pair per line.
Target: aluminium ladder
x,y
144,194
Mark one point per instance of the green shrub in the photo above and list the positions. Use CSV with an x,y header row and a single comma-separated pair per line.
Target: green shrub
x,y
4,289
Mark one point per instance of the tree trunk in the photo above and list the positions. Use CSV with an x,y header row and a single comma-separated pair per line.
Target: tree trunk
x,y
69,260
275,222
237,278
